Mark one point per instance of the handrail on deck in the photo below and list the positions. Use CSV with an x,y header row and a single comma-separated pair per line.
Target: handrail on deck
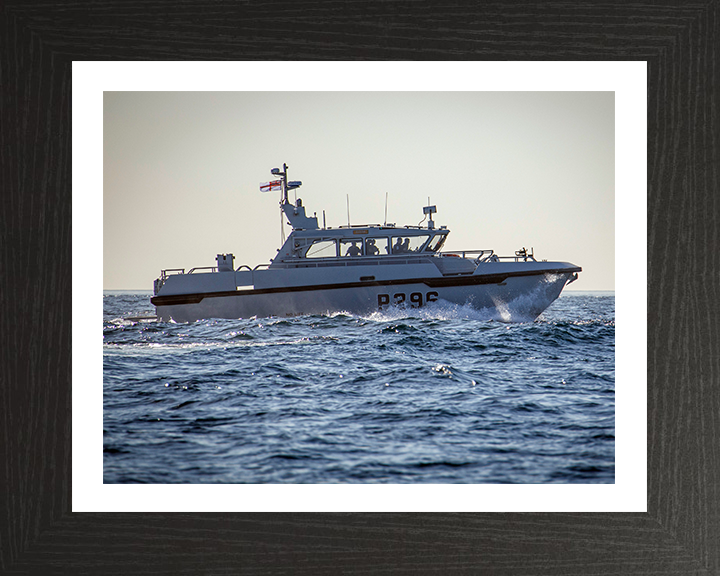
x,y
165,273
480,253
211,268
356,260
170,271
496,258
489,256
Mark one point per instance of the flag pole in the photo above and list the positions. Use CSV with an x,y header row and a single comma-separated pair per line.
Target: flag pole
x,y
285,180
283,199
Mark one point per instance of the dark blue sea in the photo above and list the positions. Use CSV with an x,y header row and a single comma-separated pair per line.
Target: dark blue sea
x,y
441,394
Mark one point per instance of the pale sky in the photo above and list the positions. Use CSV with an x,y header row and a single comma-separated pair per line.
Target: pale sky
x,y
505,170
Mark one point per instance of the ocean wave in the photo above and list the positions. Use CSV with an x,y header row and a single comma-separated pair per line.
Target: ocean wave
x,y
442,393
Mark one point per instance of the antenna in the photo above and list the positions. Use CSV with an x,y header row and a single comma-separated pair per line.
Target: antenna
x,y
282,228
284,174
386,196
283,197
348,208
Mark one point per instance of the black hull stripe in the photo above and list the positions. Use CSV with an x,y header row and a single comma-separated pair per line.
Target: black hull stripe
x,y
441,282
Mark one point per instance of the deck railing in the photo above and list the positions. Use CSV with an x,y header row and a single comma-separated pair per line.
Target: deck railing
x,y
211,268
490,256
478,256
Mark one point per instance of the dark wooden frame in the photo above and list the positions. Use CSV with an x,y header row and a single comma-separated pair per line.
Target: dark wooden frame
x,y
681,530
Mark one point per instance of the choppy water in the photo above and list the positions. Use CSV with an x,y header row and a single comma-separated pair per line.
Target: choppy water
x,y
440,394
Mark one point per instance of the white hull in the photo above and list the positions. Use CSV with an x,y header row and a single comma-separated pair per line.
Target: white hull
x,y
520,298
360,270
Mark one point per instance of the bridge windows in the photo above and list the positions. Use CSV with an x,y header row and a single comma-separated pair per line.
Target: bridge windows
x,y
321,248
377,246
351,247
436,243
407,244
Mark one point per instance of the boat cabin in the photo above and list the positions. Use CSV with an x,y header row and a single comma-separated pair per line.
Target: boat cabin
x,y
310,242
362,242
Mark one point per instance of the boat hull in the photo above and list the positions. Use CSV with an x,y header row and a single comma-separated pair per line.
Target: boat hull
x,y
514,299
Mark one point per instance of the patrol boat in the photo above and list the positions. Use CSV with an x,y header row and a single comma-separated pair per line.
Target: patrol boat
x,y
360,269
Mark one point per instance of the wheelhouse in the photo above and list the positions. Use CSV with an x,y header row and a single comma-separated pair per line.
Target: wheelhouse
x,y
369,242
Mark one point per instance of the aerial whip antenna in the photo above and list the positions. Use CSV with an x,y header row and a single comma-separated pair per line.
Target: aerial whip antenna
x,y
282,227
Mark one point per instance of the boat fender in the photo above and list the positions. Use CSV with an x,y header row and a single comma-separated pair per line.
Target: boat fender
x,y
452,255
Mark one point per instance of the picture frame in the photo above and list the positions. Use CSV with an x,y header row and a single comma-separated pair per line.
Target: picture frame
x,y
40,534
